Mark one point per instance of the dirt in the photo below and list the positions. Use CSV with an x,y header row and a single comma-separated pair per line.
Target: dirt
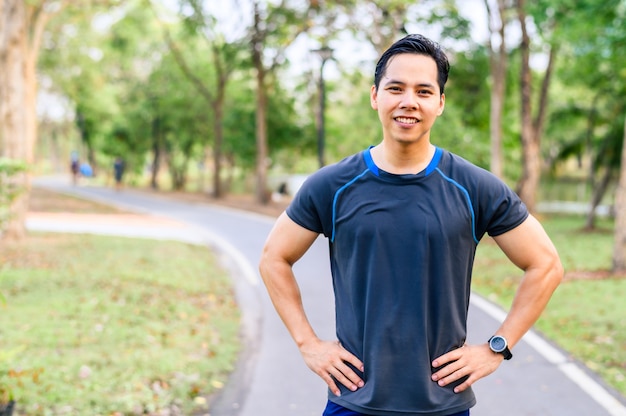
x,y
42,200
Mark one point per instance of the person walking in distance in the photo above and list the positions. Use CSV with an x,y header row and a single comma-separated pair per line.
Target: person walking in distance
x,y
118,172
403,220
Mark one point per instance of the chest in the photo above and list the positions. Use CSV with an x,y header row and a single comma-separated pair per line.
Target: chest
x,y
436,211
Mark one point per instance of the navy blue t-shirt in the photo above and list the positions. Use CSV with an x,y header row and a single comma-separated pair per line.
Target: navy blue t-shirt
x,y
401,252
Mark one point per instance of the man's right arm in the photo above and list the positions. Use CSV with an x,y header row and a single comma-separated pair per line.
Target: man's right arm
x,y
286,244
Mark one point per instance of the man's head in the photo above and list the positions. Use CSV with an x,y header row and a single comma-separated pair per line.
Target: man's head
x,y
416,44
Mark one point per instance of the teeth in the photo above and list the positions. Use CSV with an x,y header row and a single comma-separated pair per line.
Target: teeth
x,y
406,120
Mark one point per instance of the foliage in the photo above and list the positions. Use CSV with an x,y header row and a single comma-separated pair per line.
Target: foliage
x,y
10,188
133,326
587,120
131,97
285,128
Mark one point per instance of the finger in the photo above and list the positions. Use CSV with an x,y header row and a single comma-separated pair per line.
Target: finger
x,y
451,356
465,385
349,373
343,379
330,381
454,376
442,375
350,358
453,363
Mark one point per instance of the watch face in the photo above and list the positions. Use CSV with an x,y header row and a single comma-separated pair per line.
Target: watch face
x,y
497,344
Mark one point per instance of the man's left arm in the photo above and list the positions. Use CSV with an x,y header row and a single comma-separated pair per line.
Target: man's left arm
x,y
528,247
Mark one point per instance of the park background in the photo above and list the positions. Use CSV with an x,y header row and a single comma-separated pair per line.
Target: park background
x,y
224,98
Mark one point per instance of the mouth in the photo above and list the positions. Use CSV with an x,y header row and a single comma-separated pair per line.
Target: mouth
x,y
406,120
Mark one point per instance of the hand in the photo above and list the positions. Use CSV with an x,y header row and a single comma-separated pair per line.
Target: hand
x,y
471,361
328,360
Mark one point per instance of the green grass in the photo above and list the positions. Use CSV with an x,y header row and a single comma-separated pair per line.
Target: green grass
x,y
96,325
586,317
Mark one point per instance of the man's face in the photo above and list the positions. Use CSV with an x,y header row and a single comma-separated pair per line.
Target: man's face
x,y
408,99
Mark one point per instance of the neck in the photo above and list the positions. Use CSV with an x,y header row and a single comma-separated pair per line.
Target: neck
x,y
402,159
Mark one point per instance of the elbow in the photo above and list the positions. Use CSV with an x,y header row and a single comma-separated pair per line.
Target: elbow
x,y
555,270
263,265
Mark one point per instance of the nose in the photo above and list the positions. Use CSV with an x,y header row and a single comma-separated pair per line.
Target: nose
x,y
409,100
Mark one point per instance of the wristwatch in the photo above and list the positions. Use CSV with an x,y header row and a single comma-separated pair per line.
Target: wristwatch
x,y
499,345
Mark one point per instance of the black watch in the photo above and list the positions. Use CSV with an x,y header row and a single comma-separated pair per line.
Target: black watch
x,y
499,345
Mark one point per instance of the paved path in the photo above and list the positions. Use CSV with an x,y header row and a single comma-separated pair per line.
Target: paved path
x,y
271,379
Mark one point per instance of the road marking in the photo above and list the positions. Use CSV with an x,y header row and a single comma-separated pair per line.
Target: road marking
x,y
239,260
556,357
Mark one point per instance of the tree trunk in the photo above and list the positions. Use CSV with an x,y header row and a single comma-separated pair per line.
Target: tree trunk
x,y
529,181
218,122
531,131
157,144
598,194
21,31
262,195
498,63
619,249
17,109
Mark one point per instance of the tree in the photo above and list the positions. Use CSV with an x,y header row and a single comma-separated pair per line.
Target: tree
x,y
498,58
273,29
586,121
531,129
619,249
21,30
224,59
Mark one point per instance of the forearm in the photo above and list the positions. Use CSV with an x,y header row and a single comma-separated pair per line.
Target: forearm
x,y
532,297
285,296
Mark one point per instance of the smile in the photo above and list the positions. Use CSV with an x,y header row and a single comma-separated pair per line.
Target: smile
x,y
407,120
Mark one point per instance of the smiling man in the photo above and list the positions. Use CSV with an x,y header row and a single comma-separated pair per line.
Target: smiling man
x,y
403,220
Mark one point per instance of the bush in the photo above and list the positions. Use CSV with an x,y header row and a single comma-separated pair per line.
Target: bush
x,y
10,186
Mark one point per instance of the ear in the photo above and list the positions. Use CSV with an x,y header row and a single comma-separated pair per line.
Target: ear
x,y
373,97
442,104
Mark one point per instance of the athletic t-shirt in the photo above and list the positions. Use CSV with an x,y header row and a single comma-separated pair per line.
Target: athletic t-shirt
x,y
401,252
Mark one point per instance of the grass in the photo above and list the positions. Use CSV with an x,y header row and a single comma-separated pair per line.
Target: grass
x,y
97,325
587,314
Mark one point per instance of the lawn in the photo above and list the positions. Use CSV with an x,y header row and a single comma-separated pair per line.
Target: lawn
x,y
94,325
587,314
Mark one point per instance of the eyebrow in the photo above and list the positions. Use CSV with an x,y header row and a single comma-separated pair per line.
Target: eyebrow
x,y
422,84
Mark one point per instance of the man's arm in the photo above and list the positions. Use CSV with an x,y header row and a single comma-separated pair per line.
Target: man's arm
x,y
528,247
286,244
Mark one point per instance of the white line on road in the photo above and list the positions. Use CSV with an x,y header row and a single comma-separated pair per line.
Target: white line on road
x,y
554,356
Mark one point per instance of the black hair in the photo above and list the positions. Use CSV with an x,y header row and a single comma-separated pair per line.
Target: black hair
x,y
416,44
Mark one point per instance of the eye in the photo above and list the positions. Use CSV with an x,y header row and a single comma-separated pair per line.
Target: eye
x,y
424,92
394,89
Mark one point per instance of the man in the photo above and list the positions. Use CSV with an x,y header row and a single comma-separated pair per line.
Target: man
x,y
403,220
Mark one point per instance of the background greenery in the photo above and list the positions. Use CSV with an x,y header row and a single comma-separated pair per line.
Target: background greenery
x,y
133,327
122,76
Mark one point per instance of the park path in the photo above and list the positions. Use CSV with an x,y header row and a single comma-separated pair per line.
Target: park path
x,y
271,379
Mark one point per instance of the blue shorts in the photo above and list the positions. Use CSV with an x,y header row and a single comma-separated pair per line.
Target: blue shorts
x,y
333,409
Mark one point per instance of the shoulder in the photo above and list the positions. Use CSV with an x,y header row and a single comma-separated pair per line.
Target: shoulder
x,y
312,204
467,173
335,175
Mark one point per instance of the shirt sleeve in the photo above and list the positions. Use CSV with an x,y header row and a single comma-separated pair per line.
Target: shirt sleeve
x,y
499,208
311,206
